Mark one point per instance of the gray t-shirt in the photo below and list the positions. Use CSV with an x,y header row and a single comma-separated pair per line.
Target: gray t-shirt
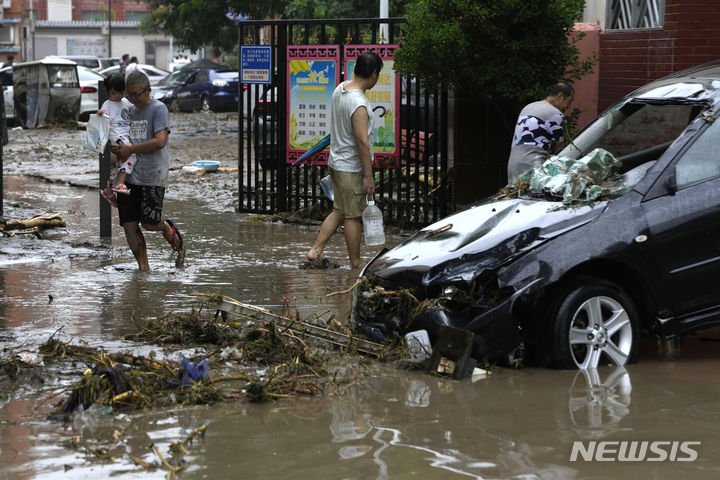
x,y
539,125
151,168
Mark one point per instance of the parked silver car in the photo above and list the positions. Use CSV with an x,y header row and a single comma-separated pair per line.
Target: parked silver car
x,y
154,73
88,91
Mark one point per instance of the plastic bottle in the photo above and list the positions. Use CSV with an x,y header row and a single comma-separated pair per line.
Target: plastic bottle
x,y
373,225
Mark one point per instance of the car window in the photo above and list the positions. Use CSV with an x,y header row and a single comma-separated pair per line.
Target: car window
x,y
702,160
634,127
6,78
227,75
62,76
200,77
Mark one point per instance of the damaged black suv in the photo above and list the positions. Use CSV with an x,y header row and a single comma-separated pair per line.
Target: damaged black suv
x,y
568,266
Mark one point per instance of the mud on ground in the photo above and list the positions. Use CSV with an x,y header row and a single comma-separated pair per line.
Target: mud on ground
x,y
60,155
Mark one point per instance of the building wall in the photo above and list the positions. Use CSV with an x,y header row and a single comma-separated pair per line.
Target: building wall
x,y
57,40
120,8
631,58
586,89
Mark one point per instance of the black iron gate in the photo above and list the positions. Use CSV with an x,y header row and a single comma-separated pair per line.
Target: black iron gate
x,y
415,193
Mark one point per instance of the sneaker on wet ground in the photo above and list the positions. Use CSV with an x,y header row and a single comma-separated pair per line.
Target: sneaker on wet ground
x,y
177,243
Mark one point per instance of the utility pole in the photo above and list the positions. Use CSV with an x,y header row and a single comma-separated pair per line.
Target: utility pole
x,y
110,28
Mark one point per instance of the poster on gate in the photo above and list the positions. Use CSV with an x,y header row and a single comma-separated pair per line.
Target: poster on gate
x,y
312,77
385,100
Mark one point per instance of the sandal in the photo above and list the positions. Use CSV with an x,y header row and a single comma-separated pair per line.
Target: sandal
x,y
121,188
177,244
109,197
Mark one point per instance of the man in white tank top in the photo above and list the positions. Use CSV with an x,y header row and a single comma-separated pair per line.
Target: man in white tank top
x,y
350,159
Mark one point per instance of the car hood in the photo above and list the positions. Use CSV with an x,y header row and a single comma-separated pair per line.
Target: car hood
x,y
459,247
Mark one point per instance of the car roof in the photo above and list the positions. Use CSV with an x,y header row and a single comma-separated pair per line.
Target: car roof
x,y
46,61
696,84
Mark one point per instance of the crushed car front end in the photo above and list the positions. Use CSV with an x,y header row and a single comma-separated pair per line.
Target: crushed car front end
x,y
447,274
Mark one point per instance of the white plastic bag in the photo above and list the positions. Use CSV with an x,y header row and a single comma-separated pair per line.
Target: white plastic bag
x,y
97,132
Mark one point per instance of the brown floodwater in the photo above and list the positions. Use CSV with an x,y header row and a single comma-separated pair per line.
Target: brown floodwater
x,y
514,424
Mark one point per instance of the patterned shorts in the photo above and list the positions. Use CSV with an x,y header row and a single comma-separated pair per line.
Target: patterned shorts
x,y
144,204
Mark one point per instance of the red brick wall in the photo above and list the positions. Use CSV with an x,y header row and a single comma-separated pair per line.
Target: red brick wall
x,y
630,59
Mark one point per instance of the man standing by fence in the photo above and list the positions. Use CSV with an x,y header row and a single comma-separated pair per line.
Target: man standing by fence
x,y
350,159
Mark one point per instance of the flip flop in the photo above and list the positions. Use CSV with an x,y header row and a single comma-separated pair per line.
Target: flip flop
x,y
180,247
320,263
109,197
121,188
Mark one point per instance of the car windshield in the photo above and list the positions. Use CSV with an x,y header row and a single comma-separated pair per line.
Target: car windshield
x,y
176,78
634,127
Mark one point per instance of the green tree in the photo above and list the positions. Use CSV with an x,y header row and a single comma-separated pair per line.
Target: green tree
x,y
345,9
502,49
195,24
199,23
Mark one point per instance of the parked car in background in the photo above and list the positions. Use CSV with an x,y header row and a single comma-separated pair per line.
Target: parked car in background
x,y
162,91
154,73
6,80
90,61
206,89
570,271
88,91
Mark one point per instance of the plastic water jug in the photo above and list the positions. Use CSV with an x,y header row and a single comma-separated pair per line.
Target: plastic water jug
x,y
373,224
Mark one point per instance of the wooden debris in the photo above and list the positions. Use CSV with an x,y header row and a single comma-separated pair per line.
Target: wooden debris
x,y
32,225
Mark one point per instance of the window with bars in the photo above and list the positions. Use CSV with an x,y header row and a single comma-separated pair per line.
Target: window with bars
x,y
629,14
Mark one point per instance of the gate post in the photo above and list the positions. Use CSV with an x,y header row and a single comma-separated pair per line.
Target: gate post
x,y
281,117
105,216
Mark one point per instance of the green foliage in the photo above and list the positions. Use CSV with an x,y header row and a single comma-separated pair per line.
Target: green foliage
x,y
509,49
346,9
195,24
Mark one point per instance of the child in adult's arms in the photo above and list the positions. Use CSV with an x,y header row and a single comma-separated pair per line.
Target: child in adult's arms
x,y
117,108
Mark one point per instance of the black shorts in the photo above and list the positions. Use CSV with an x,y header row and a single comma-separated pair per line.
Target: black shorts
x,y
143,204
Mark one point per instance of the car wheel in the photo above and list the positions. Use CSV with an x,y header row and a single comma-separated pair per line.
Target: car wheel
x,y
590,323
174,106
204,104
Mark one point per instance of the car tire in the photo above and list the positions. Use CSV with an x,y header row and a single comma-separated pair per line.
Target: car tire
x,y
589,323
174,106
204,104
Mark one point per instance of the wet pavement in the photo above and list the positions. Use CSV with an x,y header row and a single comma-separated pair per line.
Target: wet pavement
x,y
398,424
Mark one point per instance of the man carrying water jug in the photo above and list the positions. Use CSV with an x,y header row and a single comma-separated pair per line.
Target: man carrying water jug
x,y
350,159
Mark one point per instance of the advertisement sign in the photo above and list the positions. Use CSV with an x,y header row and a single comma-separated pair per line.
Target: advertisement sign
x,y
312,77
96,47
385,100
256,64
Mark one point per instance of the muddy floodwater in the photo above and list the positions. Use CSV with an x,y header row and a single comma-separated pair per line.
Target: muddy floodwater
x,y
661,416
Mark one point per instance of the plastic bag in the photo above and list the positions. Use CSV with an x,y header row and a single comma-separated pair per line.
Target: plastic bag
x,y
97,132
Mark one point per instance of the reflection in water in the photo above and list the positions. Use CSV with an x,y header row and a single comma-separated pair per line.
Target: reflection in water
x,y
596,406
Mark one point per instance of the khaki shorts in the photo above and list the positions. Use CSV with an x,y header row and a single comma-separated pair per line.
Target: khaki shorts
x,y
349,193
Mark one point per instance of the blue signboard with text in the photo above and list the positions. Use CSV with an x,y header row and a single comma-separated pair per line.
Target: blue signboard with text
x,y
256,64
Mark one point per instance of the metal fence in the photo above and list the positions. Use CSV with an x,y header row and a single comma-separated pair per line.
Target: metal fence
x,y
416,192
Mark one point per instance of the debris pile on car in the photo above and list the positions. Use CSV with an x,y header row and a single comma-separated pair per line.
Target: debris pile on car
x,y
587,179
